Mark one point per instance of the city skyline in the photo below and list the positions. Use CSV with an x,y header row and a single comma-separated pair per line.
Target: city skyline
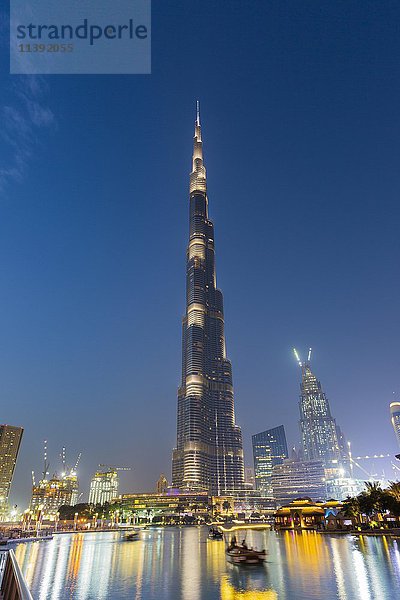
x,y
302,149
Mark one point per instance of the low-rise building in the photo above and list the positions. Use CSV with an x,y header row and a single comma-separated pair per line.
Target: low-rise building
x,y
164,508
303,513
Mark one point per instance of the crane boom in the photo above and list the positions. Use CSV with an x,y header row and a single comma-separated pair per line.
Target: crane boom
x,y
77,461
46,465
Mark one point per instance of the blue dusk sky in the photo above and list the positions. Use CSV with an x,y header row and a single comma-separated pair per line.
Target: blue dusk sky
x,y
301,125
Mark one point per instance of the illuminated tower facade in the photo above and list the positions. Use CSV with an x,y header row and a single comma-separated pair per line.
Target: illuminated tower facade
x,y
319,432
209,453
395,419
103,487
10,441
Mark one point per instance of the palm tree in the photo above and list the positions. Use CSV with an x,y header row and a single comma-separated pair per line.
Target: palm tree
x,y
351,509
394,490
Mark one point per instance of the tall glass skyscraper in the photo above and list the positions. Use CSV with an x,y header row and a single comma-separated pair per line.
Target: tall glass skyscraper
x,y
395,419
319,433
269,450
209,453
10,441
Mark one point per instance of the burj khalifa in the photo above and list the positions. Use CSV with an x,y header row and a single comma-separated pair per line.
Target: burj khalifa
x,y
209,452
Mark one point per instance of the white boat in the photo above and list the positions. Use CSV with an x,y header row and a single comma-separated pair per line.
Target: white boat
x,y
243,556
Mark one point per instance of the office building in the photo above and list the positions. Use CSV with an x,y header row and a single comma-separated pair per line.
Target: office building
x,y
162,484
269,450
298,479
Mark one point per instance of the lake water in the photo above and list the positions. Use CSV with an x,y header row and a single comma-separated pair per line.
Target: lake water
x,y
182,564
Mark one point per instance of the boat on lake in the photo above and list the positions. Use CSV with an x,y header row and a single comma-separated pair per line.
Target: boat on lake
x,y
243,555
131,536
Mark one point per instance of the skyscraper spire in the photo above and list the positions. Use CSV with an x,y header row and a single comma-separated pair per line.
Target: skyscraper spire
x,y
198,174
209,453
319,432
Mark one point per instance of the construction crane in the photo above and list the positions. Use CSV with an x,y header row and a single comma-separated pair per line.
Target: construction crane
x,y
63,459
67,470
354,461
77,461
46,465
112,468
372,456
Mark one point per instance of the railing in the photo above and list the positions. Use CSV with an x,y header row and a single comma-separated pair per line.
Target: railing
x,y
13,584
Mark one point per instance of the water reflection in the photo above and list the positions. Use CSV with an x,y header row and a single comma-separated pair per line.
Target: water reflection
x,y
247,584
182,564
232,592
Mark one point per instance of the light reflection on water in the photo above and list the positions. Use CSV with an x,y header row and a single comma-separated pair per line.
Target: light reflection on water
x,y
182,564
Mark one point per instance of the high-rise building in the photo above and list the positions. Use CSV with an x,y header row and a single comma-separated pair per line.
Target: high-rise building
x,y
249,479
50,494
162,484
395,419
10,441
298,479
72,484
318,429
209,453
269,450
103,487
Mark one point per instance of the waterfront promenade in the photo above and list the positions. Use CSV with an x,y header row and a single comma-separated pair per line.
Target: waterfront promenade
x,y
181,563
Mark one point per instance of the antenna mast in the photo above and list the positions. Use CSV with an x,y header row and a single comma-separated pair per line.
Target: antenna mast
x,y
197,112
297,357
